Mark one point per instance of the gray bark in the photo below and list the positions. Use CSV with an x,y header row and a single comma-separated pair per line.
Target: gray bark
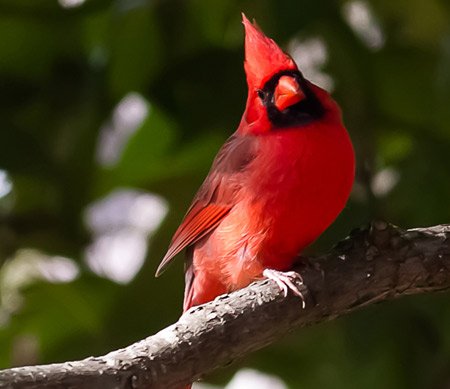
x,y
373,264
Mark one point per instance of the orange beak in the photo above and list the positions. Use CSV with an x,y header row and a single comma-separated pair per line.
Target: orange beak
x,y
287,93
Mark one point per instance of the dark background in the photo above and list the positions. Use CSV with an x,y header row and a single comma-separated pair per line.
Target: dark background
x,y
111,113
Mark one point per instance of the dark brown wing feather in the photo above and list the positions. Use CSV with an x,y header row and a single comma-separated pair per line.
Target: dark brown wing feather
x,y
215,197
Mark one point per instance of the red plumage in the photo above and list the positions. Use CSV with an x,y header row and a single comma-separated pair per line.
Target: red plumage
x,y
274,187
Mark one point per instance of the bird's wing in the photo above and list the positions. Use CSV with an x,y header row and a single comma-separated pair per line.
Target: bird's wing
x,y
215,198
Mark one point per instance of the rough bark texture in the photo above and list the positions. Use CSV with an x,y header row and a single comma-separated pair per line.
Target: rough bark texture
x,y
373,264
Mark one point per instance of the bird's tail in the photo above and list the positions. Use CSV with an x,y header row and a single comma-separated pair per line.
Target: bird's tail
x,y
188,291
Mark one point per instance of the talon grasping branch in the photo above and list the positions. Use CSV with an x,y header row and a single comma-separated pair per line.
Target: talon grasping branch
x,y
285,281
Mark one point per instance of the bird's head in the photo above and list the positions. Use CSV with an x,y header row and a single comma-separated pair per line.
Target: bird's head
x,y
279,97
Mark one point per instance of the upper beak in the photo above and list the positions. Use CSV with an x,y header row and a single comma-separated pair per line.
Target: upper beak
x,y
287,93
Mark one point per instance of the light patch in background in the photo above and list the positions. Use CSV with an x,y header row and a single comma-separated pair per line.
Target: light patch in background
x,y
247,379
311,55
363,22
384,181
58,269
5,184
117,256
127,117
254,379
71,3
25,268
121,224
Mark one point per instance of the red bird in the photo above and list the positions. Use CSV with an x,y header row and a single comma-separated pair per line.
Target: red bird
x,y
277,183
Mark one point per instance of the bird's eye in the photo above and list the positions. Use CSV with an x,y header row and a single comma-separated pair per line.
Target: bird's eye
x,y
260,94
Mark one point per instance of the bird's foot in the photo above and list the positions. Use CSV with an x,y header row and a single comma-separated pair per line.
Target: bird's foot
x,y
285,281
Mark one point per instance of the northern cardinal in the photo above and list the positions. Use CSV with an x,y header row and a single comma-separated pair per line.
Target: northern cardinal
x,y
277,183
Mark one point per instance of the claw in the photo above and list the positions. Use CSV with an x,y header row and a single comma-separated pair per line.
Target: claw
x,y
285,280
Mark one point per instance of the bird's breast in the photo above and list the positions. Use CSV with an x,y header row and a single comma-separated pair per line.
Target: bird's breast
x,y
301,182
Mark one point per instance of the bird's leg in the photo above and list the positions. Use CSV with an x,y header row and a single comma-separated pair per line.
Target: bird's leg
x,y
286,280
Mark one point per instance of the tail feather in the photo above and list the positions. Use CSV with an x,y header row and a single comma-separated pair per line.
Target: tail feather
x,y
188,290
188,279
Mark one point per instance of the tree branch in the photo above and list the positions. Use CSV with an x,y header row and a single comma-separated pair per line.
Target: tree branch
x,y
373,264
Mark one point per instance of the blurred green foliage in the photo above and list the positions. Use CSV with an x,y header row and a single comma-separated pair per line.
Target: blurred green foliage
x,y
64,68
